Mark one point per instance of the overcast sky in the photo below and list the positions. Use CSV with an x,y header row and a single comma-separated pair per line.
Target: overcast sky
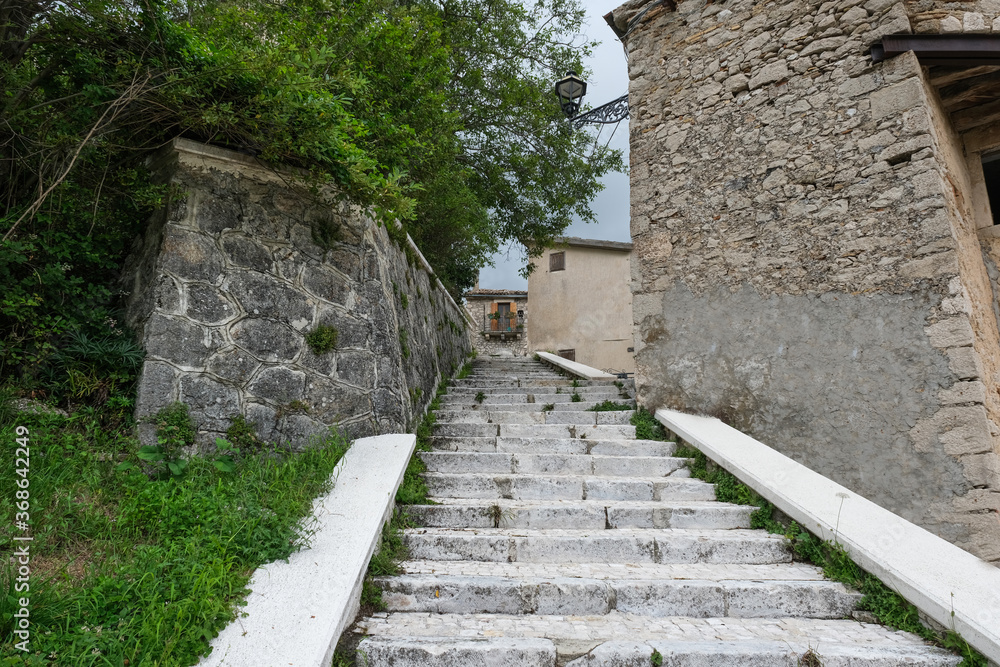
x,y
609,80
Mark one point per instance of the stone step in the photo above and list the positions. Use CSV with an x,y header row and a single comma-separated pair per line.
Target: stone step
x,y
602,432
576,596
554,464
582,417
593,395
620,571
580,514
616,447
575,546
487,383
423,639
557,401
566,487
597,390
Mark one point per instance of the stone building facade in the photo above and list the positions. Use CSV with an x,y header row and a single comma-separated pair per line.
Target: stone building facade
x,y
233,275
815,259
499,321
583,303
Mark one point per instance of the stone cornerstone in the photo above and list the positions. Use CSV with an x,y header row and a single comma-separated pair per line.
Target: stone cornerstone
x,y
230,278
807,264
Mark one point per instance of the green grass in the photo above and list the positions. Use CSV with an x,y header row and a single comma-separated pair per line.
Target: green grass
x,y
548,407
480,396
610,406
464,371
890,608
575,397
646,426
126,567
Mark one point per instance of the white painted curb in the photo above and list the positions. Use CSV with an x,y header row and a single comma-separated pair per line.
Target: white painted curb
x,y
948,584
297,610
573,367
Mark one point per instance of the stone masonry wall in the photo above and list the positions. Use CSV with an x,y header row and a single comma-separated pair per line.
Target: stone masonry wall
x,y
478,310
232,275
822,287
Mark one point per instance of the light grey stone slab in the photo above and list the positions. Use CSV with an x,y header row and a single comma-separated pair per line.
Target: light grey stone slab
x,y
455,652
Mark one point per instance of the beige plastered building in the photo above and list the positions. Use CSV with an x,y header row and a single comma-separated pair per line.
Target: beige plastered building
x,y
581,303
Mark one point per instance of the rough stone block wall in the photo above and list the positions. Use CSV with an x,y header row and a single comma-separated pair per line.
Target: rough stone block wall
x,y
230,278
805,264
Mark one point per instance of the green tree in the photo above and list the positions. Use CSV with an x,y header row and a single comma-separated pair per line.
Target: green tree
x,y
436,114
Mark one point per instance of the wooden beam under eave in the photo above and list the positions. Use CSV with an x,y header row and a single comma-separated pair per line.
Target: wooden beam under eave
x,y
971,92
945,76
966,119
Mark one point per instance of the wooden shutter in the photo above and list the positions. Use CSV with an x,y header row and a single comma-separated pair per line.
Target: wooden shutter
x,y
557,261
494,324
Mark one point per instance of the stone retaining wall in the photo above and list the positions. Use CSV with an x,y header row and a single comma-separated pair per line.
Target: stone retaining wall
x,y
232,276
806,265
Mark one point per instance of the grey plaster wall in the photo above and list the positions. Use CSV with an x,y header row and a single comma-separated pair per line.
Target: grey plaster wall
x,y
230,278
837,388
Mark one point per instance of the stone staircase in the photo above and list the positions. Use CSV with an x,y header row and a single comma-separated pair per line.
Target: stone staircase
x,y
561,539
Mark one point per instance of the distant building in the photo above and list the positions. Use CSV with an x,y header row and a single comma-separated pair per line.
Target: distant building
x,y
580,294
500,317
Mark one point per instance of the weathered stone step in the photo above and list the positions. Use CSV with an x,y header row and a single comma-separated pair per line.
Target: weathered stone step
x,y
558,402
575,596
486,383
603,432
565,487
575,546
628,640
540,394
782,653
590,398
580,514
456,652
581,417
529,388
699,571
616,447
554,464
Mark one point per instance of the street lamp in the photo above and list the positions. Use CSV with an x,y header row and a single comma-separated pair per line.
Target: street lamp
x,y
570,90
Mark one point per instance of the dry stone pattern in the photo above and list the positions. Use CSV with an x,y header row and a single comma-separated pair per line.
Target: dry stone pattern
x,y
806,266
231,277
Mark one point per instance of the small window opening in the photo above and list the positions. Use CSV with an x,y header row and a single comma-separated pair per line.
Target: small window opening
x,y
991,174
557,261
569,355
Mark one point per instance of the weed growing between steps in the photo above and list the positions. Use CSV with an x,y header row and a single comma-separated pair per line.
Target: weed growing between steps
x,y
609,406
646,426
888,607
391,551
126,569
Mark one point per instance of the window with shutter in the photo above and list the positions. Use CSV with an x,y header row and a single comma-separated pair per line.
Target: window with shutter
x,y
557,261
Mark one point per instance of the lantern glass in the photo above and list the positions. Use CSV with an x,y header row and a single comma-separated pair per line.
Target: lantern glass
x,y
571,87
